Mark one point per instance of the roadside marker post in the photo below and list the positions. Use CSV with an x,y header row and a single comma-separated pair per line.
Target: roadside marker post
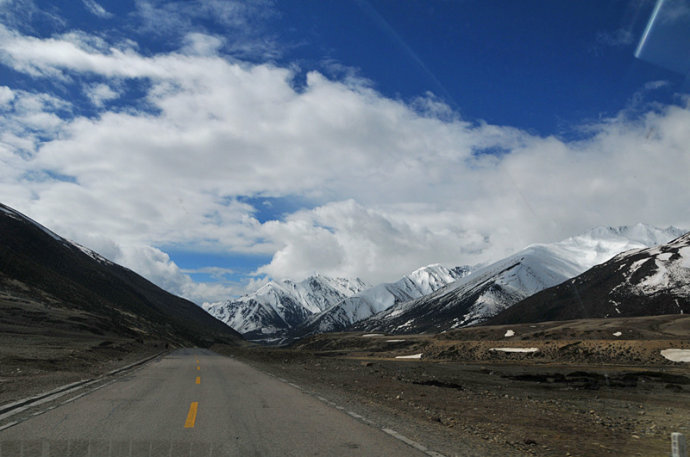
x,y
678,446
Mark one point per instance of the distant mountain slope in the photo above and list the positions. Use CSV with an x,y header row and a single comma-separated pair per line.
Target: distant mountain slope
x,y
490,290
281,305
640,282
421,282
38,263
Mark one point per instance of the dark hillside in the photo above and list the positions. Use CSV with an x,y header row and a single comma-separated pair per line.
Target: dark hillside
x,y
39,265
643,282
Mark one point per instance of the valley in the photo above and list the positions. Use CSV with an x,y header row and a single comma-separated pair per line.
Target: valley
x,y
462,361
461,398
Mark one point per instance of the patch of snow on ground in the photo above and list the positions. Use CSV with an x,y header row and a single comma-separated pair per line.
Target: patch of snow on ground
x,y
509,333
370,335
93,254
664,257
618,334
394,341
685,254
413,356
406,324
634,267
514,349
395,313
676,355
658,279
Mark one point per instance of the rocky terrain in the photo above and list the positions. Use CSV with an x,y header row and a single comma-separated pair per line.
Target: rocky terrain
x,y
586,392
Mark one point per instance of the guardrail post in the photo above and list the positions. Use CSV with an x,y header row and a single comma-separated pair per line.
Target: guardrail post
x,y
678,446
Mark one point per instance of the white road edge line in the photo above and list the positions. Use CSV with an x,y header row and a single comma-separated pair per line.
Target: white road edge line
x,y
412,443
61,392
405,439
11,424
10,409
391,432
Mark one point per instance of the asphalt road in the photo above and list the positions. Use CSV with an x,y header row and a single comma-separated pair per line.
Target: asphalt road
x,y
198,403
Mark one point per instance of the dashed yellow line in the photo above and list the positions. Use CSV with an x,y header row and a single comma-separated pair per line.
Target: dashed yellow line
x,y
198,368
191,415
198,379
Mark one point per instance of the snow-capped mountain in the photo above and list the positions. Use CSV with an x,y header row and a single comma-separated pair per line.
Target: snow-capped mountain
x,y
420,282
280,305
639,282
490,290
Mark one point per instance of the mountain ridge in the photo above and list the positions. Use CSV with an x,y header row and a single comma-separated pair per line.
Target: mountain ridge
x,y
281,305
491,289
638,282
421,282
37,263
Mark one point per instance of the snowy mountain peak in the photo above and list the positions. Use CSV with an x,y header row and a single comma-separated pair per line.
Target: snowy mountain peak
x,y
362,305
640,282
491,289
433,277
279,305
642,235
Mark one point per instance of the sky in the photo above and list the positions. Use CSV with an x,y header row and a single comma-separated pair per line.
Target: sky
x,y
212,146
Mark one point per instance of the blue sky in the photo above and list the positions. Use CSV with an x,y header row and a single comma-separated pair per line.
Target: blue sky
x,y
214,145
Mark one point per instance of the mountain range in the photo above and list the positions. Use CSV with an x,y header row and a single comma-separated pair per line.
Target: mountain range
x,y
282,305
283,310
488,291
605,272
432,298
369,302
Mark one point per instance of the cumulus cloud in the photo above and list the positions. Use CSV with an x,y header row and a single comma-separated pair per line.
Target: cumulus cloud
x,y
392,186
347,239
165,273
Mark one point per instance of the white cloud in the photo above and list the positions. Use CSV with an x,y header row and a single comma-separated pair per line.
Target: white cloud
x,y
347,239
27,118
100,93
242,22
165,273
617,38
199,44
96,9
395,186
6,95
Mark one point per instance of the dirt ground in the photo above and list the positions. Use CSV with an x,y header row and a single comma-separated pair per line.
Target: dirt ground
x,y
587,391
43,347
580,395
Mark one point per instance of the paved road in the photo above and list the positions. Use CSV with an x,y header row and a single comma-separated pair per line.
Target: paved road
x,y
198,403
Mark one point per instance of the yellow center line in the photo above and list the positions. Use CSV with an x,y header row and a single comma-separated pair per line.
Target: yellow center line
x,y
191,415
198,379
198,368
197,361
